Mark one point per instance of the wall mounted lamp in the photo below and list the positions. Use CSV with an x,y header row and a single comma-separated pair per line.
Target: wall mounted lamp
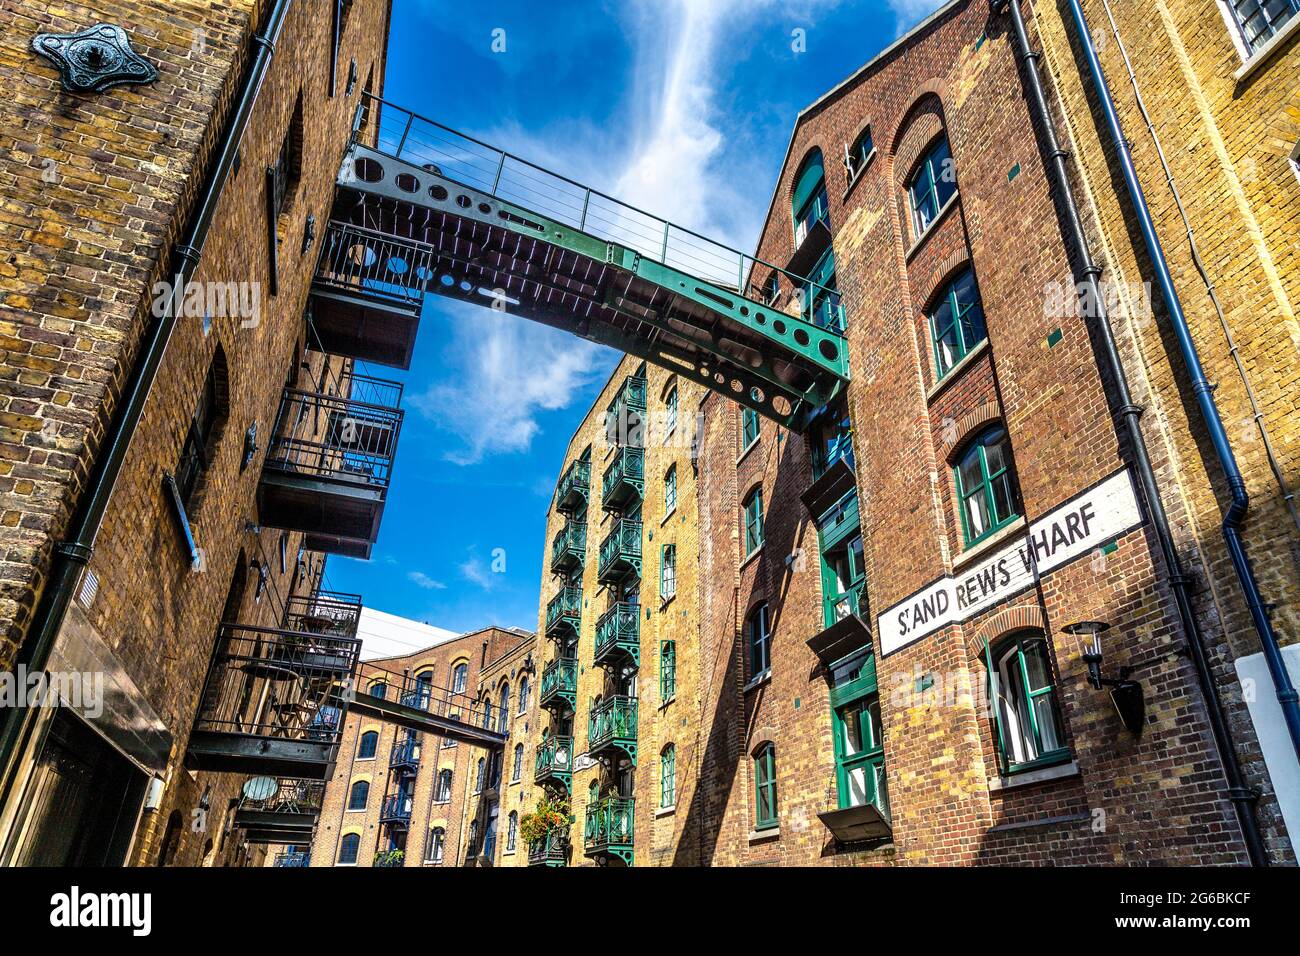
x,y
1127,695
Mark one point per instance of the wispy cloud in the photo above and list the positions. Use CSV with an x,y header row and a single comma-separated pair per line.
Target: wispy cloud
x,y
424,581
911,12
476,571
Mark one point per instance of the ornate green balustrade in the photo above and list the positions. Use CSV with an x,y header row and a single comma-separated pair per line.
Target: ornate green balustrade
x,y
620,552
564,612
569,547
554,761
611,728
607,830
550,850
575,484
560,684
623,484
618,636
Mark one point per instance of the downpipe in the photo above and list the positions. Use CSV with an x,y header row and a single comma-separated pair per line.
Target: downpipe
x,y
1242,797
72,554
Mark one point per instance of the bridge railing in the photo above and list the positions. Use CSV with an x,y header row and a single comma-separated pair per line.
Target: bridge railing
x,y
410,691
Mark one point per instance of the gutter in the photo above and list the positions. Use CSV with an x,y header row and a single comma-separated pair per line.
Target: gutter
x,y
1243,798
74,553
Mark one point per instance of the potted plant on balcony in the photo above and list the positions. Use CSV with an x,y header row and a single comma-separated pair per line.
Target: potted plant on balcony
x,y
552,813
390,858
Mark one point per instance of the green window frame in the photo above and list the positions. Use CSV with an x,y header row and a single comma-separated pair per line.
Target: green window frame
x,y
858,734
809,202
987,493
766,813
957,322
670,490
668,571
750,429
1022,693
667,671
759,626
821,296
753,521
931,186
668,777
670,413
843,565
856,156
831,438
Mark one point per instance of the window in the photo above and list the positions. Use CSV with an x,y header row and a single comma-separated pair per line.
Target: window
x,y
287,170
503,710
831,436
670,415
348,847
749,428
478,780
859,742
379,689
1024,698
369,744
444,787
931,186
986,486
668,776
844,572
760,642
957,322
670,491
459,678
472,846
667,671
753,521
668,571
1261,20
856,156
448,742
434,848
771,289
512,831
765,816
518,768
523,694
821,303
809,203
204,431
359,794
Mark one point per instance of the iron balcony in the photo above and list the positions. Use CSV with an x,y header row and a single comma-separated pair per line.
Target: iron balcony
x,y
623,483
620,552
625,417
405,755
323,612
396,808
550,850
618,636
292,858
575,485
554,761
368,292
569,547
611,728
279,811
607,829
564,612
560,685
330,462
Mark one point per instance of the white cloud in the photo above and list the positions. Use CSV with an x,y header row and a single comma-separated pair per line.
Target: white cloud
x,y
476,571
423,580
911,12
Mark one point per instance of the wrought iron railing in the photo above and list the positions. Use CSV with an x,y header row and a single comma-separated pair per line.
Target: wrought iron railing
x,y
554,757
374,264
569,546
564,608
293,858
419,693
559,679
619,628
608,824
290,795
551,849
275,683
405,753
620,552
396,808
323,612
625,417
624,478
611,721
349,436
574,485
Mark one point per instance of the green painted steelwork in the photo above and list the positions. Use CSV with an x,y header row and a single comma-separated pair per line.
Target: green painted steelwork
x,y
607,829
620,552
618,636
554,761
564,612
611,726
521,239
623,483
550,850
625,417
560,684
569,547
571,492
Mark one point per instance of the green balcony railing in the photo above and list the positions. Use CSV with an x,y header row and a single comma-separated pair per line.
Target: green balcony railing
x,y
623,484
574,486
564,612
836,607
618,635
569,547
554,761
611,726
607,829
550,850
560,683
625,417
620,552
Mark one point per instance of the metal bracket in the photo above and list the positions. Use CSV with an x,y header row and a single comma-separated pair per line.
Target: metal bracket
x,y
94,60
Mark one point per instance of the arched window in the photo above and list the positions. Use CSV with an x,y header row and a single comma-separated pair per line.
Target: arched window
x,y
765,810
593,793
503,710
857,155
670,490
358,795
523,694
368,745
472,850
434,847
517,770
932,184
1021,687
204,432
753,515
423,690
668,571
987,492
667,671
956,322
670,410
808,202
750,428
478,779
459,678
379,689
668,776
443,794
759,639
512,831
348,847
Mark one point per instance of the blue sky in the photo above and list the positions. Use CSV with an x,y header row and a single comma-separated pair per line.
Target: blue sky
x,y
681,107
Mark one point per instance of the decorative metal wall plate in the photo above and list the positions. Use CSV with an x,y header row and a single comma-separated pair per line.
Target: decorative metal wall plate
x,y
95,59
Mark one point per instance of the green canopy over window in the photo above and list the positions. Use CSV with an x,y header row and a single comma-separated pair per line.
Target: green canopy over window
x,y
809,182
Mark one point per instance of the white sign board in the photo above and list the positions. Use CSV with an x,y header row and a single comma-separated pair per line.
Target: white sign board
x,y
1082,524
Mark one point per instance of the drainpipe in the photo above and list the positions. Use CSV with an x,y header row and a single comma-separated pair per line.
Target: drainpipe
x,y
1203,391
1242,797
71,555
